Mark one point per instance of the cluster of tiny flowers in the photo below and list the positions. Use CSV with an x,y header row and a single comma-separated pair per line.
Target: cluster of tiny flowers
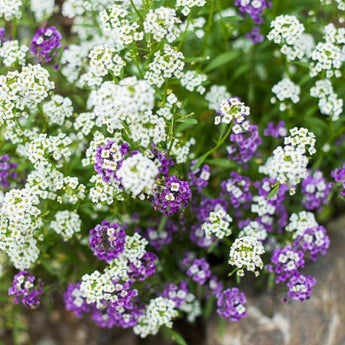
x,y
74,300
286,262
159,312
216,95
288,165
231,304
254,229
10,9
339,176
315,191
245,254
24,290
284,90
104,60
45,43
162,23
236,188
300,286
162,237
299,222
286,31
340,3
244,145
313,241
42,9
66,223
218,223
198,269
255,35
7,171
165,65
329,103
12,53
188,4
107,240
57,109
199,177
192,79
172,197
194,27
233,109
275,132
254,8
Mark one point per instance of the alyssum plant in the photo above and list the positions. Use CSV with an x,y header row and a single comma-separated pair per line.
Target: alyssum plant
x,y
164,149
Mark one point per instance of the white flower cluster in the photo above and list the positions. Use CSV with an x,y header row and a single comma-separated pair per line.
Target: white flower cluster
x,y
288,165
104,60
75,8
216,95
162,23
159,312
329,103
254,229
192,79
245,254
22,89
42,8
286,31
19,221
102,192
340,3
165,65
218,223
181,152
66,223
299,222
191,306
137,175
284,90
12,53
188,4
57,109
233,109
261,206
49,183
10,9
83,124
42,148
195,27
124,32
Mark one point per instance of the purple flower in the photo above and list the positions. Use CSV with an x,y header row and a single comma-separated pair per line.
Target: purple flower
x,y
146,268
199,177
74,301
177,293
24,290
165,162
6,171
254,8
255,35
300,286
198,270
313,241
172,197
230,303
244,145
45,43
107,240
276,132
339,176
315,191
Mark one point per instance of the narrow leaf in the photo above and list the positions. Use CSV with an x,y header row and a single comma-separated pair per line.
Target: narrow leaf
x,y
221,60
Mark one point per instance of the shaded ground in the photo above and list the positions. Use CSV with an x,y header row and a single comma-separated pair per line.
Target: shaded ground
x,y
319,321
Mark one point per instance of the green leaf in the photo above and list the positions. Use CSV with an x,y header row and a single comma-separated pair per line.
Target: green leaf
x,y
195,59
231,19
188,120
176,336
273,192
200,161
222,59
222,162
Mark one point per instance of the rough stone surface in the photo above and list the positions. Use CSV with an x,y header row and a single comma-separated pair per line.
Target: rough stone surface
x,y
318,321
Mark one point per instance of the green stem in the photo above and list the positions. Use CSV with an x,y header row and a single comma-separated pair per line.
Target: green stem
x,y
184,32
208,28
137,12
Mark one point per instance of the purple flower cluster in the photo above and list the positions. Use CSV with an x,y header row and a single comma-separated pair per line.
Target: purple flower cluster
x,y
300,286
45,43
275,132
255,35
114,157
315,191
244,145
6,171
146,267
236,188
107,240
254,8
199,177
164,161
24,290
198,269
230,303
74,301
339,176
176,293
172,197
313,241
